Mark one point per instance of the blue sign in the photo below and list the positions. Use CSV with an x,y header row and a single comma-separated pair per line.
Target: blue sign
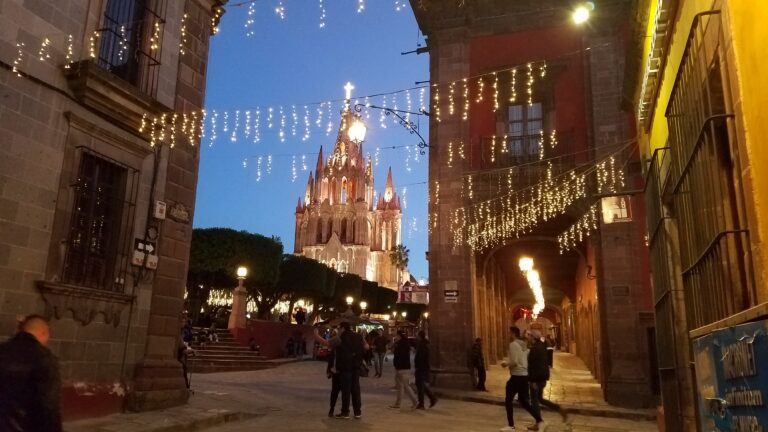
x,y
732,378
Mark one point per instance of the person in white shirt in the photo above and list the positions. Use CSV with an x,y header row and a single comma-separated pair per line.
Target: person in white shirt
x,y
517,362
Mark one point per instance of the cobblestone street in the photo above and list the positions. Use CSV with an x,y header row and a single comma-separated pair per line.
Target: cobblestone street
x,y
295,397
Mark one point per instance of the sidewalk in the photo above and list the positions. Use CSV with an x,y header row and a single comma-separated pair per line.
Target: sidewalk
x,y
571,385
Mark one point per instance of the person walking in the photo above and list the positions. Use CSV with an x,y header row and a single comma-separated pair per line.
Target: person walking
x,y
333,375
402,364
380,343
421,361
517,362
478,363
349,348
538,372
30,384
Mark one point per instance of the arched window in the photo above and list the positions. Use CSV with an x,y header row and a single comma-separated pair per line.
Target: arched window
x,y
342,267
343,230
343,190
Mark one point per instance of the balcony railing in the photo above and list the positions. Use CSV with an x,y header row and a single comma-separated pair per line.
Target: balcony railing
x,y
131,42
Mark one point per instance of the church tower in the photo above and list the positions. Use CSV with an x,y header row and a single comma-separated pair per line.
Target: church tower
x,y
337,221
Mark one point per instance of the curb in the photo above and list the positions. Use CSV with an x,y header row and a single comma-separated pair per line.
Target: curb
x,y
610,412
210,419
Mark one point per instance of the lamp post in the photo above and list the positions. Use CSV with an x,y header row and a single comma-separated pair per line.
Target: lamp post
x,y
363,307
407,124
237,317
581,13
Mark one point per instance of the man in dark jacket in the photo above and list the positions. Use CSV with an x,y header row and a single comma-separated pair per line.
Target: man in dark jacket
x,y
538,372
348,347
30,385
402,363
422,371
478,363
380,351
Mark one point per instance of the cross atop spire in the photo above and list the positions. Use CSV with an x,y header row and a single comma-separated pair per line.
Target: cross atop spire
x,y
348,89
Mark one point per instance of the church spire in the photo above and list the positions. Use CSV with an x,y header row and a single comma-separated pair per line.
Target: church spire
x,y
320,164
389,189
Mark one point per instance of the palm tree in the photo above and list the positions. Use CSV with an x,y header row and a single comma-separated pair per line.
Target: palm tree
x,y
399,258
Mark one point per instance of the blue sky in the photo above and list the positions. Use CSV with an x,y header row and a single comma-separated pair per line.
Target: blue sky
x,y
277,62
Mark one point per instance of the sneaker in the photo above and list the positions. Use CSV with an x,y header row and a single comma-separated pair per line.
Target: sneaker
x,y
358,416
507,429
540,426
432,402
342,416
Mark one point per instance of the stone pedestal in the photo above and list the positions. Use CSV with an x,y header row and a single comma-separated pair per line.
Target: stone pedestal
x,y
237,318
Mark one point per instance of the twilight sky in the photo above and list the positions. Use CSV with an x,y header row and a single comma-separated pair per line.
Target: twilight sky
x,y
274,62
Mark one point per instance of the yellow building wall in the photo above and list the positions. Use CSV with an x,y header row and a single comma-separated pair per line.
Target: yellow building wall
x,y
749,27
748,22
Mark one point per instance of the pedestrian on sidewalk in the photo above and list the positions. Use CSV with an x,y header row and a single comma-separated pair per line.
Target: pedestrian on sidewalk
x,y
551,350
349,348
538,372
421,361
30,384
478,363
517,362
380,343
333,375
402,363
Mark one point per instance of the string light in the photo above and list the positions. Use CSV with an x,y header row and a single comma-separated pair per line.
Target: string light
x,y
43,53
183,34
269,164
579,230
250,21
294,174
399,5
214,117
307,132
258,169
513,85
404,198
69,52
281,133
122,45
247,130
329,125
530,84
257,126
450,154
422,108
408,106
461,150
480,90
295,120
216,19
451,90
270,116
436,106
360,6
225,123
154,40
382,113
465,96
495,92
92,44
304,162
322,13
280,10
19,58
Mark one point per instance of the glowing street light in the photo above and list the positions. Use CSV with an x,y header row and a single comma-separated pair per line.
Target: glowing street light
x,y
350,300
426,315
363,306
526,264
405,313
356,131
242,272
581,13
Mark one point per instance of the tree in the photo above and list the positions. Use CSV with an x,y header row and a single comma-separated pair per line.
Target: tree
x,y
399,258
215,255
304,277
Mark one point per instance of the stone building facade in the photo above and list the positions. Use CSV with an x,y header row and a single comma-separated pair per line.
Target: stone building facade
x,y
83,239
341,222
699,93
597,295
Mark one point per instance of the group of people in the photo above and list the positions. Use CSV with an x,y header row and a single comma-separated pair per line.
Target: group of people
x,y
528,362
348,356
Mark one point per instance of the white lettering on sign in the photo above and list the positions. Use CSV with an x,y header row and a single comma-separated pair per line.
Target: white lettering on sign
x,y
745,424
744,397
739,360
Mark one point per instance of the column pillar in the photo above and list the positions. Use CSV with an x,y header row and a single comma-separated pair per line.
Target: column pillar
x,y
237,318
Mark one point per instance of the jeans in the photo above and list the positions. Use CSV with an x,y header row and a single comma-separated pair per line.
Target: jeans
x,y
480,377
537,397
422,385
401,382
335,390
350,386
518,385
378,362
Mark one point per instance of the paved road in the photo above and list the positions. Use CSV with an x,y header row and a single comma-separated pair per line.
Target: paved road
x,y
294,397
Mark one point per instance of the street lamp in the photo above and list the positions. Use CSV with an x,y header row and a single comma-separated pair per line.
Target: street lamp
x,y
363,306
404,314
426,315
237,317
356,130
406,123
350,300
580,15
526,264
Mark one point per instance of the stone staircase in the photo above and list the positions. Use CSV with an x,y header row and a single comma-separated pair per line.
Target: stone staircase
x,y
226,355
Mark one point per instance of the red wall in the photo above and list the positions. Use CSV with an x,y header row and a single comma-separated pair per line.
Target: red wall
x,y
272,336
561,47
